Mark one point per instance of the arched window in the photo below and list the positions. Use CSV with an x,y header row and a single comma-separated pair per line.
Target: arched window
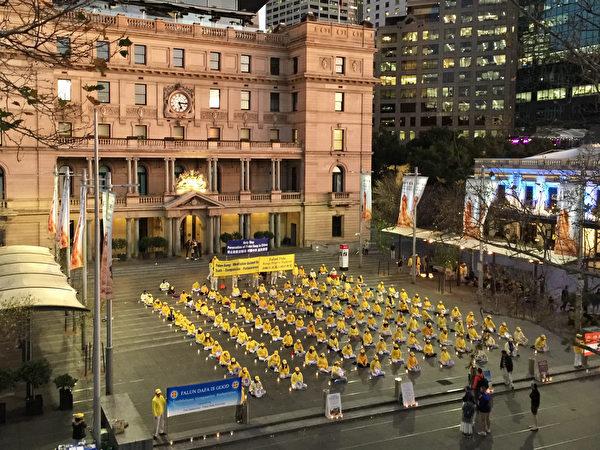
x,y
103,172
142,177
2,185
337,179
62,173
179,169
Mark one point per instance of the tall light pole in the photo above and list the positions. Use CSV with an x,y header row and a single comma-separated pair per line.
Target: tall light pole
x,y
97,323
84,272
108,374
414,227
480,268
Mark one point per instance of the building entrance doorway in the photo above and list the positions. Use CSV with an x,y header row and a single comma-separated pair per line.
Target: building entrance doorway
x,y
191,235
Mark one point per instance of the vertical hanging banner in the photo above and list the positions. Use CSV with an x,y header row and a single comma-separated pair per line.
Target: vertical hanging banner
x,y
366,196
62,235
567,223
108,208
53,216
408,202
478,197
77,252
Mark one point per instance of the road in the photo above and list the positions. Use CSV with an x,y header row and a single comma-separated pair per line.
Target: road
x,y
568,419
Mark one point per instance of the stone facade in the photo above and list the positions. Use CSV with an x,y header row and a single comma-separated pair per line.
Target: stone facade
x,y
255,115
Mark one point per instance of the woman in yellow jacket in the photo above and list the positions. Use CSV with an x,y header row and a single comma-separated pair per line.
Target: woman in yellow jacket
x,y
297,380
310,359
413,325
288,340
367,339
262,352
340,326
298,348
273,361
276,334
460,344
455,314
234,367
216,350
251,345
200,335
311,330
428,350
362,360
245,376
413,343
399,336
445,358
488,324
541,344
412,364
348,351
208,341
381,347
353,332
333,343
459,327
470,319
322,363
396,355
443,337
242,337
375,368
225,358
300,324
321,336
473,335
319,314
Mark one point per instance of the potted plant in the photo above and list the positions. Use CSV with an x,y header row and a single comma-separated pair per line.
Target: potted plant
x,y
8,379
35,373
120,245
65,384
159,245
144,246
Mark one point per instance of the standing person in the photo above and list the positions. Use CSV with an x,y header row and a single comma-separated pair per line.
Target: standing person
x,y
564,298
506,365
158,411
534,395
484,408
188,246
468,412
79,428
477,380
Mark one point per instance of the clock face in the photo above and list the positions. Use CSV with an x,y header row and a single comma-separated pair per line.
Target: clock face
x,y
179,102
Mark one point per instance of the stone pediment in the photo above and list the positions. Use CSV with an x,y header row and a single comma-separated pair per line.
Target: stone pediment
x,y
192,200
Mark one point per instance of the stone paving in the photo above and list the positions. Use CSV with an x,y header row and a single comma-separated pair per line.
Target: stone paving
x,y
149,353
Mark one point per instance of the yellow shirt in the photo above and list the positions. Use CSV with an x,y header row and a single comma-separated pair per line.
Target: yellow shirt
x,y
297,378
158,405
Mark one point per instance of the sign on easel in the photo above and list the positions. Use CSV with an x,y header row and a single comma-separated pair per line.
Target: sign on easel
x,y
408,394
543,371
333,406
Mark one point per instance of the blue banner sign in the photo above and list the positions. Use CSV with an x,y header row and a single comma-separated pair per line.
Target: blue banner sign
x,y
202,396
245,246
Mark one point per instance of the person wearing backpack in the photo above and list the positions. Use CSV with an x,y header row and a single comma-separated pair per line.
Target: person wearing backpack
x,y
468,412
484,408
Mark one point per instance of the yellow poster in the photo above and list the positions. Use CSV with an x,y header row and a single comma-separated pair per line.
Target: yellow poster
x,y
276,262
244,266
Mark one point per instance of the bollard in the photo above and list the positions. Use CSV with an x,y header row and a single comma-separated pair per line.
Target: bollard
x,y
531,370
398,389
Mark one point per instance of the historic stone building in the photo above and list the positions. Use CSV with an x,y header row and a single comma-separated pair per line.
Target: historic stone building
x,y
271,130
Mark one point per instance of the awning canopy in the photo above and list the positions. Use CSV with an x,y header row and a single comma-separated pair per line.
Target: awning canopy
x,y
469,243
30,274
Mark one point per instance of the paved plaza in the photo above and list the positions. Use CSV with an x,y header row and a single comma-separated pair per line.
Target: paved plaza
x,y
150,353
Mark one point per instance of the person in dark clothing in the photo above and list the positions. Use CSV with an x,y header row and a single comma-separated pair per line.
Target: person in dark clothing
x,y
564,298
506,365
534,395
484,408
79,428
468,412
478,382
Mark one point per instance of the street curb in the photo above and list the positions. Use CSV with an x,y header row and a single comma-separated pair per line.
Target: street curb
x,y
213,437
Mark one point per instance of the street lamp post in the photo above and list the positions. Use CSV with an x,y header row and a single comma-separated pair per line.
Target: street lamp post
x,y
480,268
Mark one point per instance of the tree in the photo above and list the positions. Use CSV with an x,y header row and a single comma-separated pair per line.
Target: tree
x,y
36,38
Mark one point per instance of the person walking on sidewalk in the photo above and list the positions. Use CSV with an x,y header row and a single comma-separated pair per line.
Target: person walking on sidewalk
x,y
158,410
79,429
468,412
534,395
484,408
506,365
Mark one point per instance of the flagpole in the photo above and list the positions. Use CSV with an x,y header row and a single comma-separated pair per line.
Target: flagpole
x,y
96,346
109,329
68,219
84,272
414,228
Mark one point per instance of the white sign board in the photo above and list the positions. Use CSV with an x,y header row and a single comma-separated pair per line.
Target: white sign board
x,y
333,406
408,394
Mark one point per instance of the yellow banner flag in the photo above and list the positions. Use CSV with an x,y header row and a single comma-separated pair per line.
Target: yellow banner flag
x,y
244,266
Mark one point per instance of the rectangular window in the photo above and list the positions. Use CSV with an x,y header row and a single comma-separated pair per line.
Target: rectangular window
x,y
408,65
430,64
103,130
339,101
178,57
389,38
338,139
409,50
245,63
245,134
388,81
178,132
215,61
294,101
448,63
64,90
245,100
336,226
274,135
465,61
410,36
274,102
274,66
214,98
63,46
498,105
140,131
583,90
103,50
140,94
295,65
340,65
103,91
408,79
65,129
551,94
139,54
214,134
523,97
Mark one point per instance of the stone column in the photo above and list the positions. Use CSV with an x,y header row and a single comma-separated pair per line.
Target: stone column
x,y
217,243
242,176
247,175
176,237
166,175
273,169
272,229
277,230
215,175
247,223
136,188
169,235
278,178
173,180
241,226
210,175
136,237
211,235
129,180
128,229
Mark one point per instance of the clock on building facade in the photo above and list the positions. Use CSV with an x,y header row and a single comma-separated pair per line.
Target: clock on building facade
x,y
178,101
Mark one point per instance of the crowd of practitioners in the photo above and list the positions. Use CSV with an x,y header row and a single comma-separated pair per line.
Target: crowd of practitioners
x,y
329,321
